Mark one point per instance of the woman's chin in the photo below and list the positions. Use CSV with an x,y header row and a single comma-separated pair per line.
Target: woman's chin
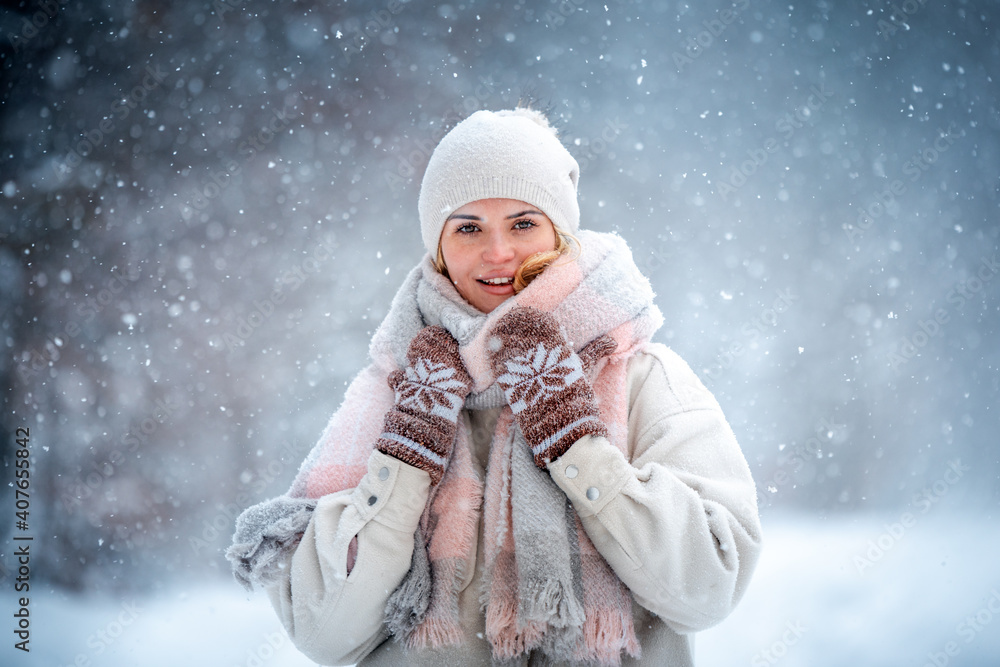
x,y
489,297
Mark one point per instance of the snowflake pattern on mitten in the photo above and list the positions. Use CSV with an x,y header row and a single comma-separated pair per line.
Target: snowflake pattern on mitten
x,y
532,377
433,388
544,382
420,427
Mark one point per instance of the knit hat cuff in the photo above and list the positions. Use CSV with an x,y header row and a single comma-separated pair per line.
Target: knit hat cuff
x,y
505,187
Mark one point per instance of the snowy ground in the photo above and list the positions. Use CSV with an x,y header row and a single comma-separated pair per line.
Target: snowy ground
x,y
907,604
808,605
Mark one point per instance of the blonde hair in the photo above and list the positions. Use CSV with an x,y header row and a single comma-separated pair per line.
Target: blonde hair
x,y
532,267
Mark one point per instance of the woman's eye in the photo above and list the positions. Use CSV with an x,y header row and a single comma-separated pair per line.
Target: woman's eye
x,y
466,229
524,224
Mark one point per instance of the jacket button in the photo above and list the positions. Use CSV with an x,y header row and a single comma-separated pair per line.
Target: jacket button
x,y
593,493
383,474
572,471
373,499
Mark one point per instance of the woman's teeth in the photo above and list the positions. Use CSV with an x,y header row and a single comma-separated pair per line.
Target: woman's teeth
x,y
496,281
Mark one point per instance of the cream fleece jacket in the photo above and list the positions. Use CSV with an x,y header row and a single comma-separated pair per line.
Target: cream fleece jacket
x,y
676,520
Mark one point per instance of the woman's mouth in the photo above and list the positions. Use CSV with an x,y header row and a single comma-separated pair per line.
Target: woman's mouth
x,y
496,281
498,286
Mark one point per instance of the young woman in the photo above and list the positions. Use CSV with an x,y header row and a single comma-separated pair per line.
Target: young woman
x,y
520,476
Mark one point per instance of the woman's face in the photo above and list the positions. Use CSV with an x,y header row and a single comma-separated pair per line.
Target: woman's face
x,y
484,242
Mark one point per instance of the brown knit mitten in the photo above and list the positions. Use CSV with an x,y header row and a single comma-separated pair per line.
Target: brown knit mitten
x,y
544,382
420,428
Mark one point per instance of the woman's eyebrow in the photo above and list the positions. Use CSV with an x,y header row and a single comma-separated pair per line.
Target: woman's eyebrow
x,y
530,211
463,216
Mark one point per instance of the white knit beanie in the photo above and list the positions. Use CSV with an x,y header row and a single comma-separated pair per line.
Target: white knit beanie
x,y
511,154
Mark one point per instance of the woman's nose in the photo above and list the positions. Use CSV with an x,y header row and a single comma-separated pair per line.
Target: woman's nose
x,y
498,250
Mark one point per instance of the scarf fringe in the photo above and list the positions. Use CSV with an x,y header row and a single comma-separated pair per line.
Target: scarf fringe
x,y
435,632
605,635
509,634
609,628
550,603
510,641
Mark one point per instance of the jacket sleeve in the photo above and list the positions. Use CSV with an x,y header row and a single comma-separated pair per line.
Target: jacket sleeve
x,y
677,520
334,616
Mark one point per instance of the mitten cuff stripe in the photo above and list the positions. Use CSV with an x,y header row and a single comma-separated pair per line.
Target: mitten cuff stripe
x,y
540,448
416,447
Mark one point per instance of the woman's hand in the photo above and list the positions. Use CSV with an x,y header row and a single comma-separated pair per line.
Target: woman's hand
x,y
545,383
420,428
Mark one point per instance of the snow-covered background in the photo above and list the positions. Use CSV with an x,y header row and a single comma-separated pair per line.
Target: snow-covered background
x,y
205,209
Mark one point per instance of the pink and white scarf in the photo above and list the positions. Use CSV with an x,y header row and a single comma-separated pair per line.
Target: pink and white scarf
x,y
546,588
